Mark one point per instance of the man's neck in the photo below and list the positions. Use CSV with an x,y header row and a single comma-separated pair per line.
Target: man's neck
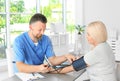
x,y
34,39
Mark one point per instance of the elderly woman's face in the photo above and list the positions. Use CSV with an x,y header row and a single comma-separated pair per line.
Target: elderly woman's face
x,y
90,39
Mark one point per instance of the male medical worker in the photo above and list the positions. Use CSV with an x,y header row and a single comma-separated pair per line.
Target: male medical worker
x,y
31,48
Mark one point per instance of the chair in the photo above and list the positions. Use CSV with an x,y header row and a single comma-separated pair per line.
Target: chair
x,y
9,54
57,27
59,38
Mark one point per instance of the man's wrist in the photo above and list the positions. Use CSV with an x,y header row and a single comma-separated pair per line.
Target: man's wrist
x,y
38,69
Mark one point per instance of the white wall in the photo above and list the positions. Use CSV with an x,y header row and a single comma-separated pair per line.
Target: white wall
x,y
107,11
79,14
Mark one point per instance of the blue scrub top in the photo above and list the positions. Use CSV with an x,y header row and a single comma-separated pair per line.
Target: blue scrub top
x,y
27,52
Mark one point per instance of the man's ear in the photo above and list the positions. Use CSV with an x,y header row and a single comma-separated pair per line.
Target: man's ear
x,y
30,27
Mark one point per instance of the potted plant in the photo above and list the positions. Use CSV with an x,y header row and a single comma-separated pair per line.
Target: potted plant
x,y
80,29
78,39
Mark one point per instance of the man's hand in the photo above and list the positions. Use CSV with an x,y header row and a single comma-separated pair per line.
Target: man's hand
x,y
43,68
70,57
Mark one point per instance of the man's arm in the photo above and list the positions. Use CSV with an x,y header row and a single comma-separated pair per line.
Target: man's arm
x,y
56,60
22,67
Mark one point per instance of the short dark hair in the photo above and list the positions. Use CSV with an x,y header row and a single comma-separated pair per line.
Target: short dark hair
x,y
38,17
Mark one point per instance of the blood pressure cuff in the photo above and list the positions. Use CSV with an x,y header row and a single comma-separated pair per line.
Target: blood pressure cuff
x,y
79,64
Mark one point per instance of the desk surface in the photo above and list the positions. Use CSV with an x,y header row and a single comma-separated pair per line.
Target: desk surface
x,y
54,77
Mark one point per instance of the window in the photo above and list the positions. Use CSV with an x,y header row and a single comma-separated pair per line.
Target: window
x,y
15,15
22,6
2,5
20,14
70,19
52,9
2,29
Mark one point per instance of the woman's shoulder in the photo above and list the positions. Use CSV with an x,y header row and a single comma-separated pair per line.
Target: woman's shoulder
x,y
103,46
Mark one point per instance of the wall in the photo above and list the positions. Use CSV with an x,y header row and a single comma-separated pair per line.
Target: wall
x,y
79,15
107,11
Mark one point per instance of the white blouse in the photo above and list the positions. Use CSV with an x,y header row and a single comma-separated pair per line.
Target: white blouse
x,y
101,63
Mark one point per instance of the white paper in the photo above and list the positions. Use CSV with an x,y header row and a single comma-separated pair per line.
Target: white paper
x,y
29,76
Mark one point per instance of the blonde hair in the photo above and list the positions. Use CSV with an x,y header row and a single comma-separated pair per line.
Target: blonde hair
x,y
97,30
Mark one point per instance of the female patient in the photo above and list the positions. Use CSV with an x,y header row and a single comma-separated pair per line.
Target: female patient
x,y
100,61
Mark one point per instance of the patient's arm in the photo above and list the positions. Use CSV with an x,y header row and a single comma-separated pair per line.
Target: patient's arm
x,y
76,65
66,69
63,70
